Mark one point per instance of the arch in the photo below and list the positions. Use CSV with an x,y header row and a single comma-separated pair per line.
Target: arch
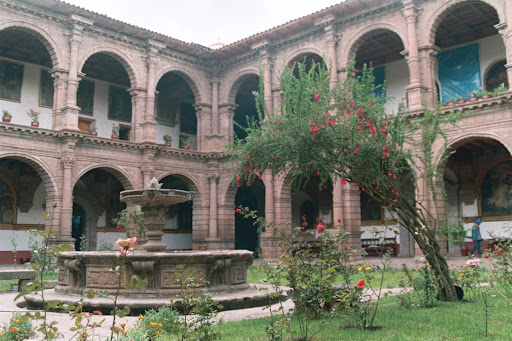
x,y
305,50
461,139
191,184
45,38
440,12
118,55
355,42
42,170
124,177
199,94
497,62
235,83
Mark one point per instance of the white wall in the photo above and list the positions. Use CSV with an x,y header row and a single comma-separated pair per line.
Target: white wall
x,y
29,98
397,78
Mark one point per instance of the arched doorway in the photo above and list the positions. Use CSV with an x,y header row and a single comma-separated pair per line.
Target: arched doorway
x,y
78,226
246,110
246,232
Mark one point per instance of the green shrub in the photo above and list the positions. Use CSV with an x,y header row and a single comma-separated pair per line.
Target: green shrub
x,y
19,328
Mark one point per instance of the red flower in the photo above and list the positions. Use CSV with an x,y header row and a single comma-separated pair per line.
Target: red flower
x,y
339,220
373,130
343,181
486,255
237,210
361,284
356,150
320,228
385,151
370,103
317,97
277,121
249,156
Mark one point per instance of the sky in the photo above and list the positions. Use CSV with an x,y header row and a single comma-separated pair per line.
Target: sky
x,y
205,22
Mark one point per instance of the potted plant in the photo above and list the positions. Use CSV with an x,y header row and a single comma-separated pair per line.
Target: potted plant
x,y
450,102
487,94
499,89
115,131
167,140
92,131
7,116
475,95
461,100
34,116
184,141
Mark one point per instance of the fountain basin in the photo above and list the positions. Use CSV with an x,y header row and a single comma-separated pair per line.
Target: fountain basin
x,y
224,271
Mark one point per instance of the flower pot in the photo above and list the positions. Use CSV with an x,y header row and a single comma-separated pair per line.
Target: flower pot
x,y
464,252
186,146
115,137
461,101
6,119
486,96
474,99
450,104
94,133
168,144
34,124
14,287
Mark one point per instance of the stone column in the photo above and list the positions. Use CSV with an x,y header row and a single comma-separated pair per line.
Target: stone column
x,y
59,97
414,90
215,105
227,114
70,119
337,203
267,82
66,211
268,180
138,99
148,122
505,29
213,236
428,62
331,50
352,215
203,124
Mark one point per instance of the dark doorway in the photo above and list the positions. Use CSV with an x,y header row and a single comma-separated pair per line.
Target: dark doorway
x,y
246,233
78,225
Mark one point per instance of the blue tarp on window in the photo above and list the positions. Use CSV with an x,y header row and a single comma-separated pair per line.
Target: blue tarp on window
x,y
380,77
459,72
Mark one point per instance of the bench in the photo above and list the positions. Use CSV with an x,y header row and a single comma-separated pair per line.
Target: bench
x,y
23,276
378,246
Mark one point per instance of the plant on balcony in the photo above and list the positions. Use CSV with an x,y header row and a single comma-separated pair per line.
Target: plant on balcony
x,y
167,140
7,116
499,89
476,94
34,116
185,141
92,131
487,94
115,131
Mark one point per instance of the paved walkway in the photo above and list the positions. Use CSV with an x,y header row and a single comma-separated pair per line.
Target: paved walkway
x,y
8,306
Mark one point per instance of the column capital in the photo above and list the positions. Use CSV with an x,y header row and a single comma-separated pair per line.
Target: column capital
x,y
213,178
68,161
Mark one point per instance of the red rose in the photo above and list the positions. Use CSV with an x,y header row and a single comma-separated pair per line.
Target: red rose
x,y
237,210
361,284
320,228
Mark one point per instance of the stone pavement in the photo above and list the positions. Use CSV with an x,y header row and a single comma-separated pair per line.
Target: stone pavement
x,y
8,306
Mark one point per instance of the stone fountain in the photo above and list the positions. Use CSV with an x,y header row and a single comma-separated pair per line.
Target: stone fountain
x,y
79,271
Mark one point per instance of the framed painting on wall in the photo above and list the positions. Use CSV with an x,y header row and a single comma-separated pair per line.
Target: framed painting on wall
x,y
85,97
11,78
119,104
496,190
46,90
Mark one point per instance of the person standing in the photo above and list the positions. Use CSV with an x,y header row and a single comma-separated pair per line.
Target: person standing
x,y
477,238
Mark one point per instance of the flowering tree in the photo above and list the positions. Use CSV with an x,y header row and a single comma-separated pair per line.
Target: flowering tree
x,y
344,134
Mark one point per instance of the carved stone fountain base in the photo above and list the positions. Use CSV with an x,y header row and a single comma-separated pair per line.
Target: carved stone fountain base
x,y
225,271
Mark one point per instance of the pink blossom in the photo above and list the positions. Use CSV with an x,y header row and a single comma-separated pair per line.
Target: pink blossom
x,y
320,228
356,150
126,245
373,130
473,262
370,104
343,181
277,121
317,97
385,151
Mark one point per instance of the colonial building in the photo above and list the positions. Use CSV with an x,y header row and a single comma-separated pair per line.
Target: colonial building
x,y
108,92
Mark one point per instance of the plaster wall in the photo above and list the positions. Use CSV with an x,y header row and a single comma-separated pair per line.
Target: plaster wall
x,y
30,91
35,215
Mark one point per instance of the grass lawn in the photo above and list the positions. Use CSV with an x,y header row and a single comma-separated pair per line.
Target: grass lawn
x,y
5,285
447,321
391,277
